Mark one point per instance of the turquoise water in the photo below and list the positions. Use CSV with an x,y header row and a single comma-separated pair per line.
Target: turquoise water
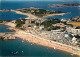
x,y
8,47
75,11
11,16
3,28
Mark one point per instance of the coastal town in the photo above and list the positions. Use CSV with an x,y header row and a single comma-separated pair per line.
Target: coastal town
x,y
62,34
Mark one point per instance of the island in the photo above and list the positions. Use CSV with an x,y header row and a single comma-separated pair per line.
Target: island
x,y
63,5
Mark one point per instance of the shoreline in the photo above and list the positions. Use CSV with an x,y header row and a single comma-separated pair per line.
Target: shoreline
x,y
48,43
30,16
56,14
44,42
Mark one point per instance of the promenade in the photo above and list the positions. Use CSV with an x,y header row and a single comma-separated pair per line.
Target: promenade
x,y
55,45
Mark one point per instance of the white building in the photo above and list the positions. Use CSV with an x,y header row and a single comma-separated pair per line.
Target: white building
x,y
74,40
41,27
68,29
66,35
75,31
63,20
56,31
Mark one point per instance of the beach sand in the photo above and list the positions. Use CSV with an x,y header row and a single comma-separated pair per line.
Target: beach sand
x,y
34,39
54,14
30,16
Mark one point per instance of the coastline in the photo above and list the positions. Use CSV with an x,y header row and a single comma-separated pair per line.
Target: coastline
x,y
54,14
48,43
30,16
23,45
35,39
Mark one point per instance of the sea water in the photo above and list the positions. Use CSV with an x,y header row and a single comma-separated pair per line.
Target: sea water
x,y
74,11
25,48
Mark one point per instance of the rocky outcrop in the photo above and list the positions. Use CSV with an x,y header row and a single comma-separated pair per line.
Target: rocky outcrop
x,y
5,36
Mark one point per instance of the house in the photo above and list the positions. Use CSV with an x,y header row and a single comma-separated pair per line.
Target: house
x,y
59,24
41,27
63,20
75,31
74,40
56,31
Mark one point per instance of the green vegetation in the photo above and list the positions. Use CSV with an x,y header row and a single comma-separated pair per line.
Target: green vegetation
x,y
53,28
78,27
71,4
29,25
48,24
39,12
19,23
1,21
7,20
77,36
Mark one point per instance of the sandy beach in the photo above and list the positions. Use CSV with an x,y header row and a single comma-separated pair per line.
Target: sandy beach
x,y
54,14
41,41
30,16
34,39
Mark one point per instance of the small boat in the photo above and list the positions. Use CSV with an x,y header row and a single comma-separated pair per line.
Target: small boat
x,y
16,53
22,51
22,41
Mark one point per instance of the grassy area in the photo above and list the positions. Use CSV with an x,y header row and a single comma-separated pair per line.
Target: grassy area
x,y
39,12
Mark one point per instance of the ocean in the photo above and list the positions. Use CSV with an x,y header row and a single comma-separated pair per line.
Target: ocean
x,y
8,47
74,11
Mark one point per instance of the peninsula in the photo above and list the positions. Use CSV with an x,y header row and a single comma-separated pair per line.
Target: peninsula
x,y
36,13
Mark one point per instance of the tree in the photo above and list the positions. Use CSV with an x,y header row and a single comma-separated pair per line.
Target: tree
x,y
19,23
